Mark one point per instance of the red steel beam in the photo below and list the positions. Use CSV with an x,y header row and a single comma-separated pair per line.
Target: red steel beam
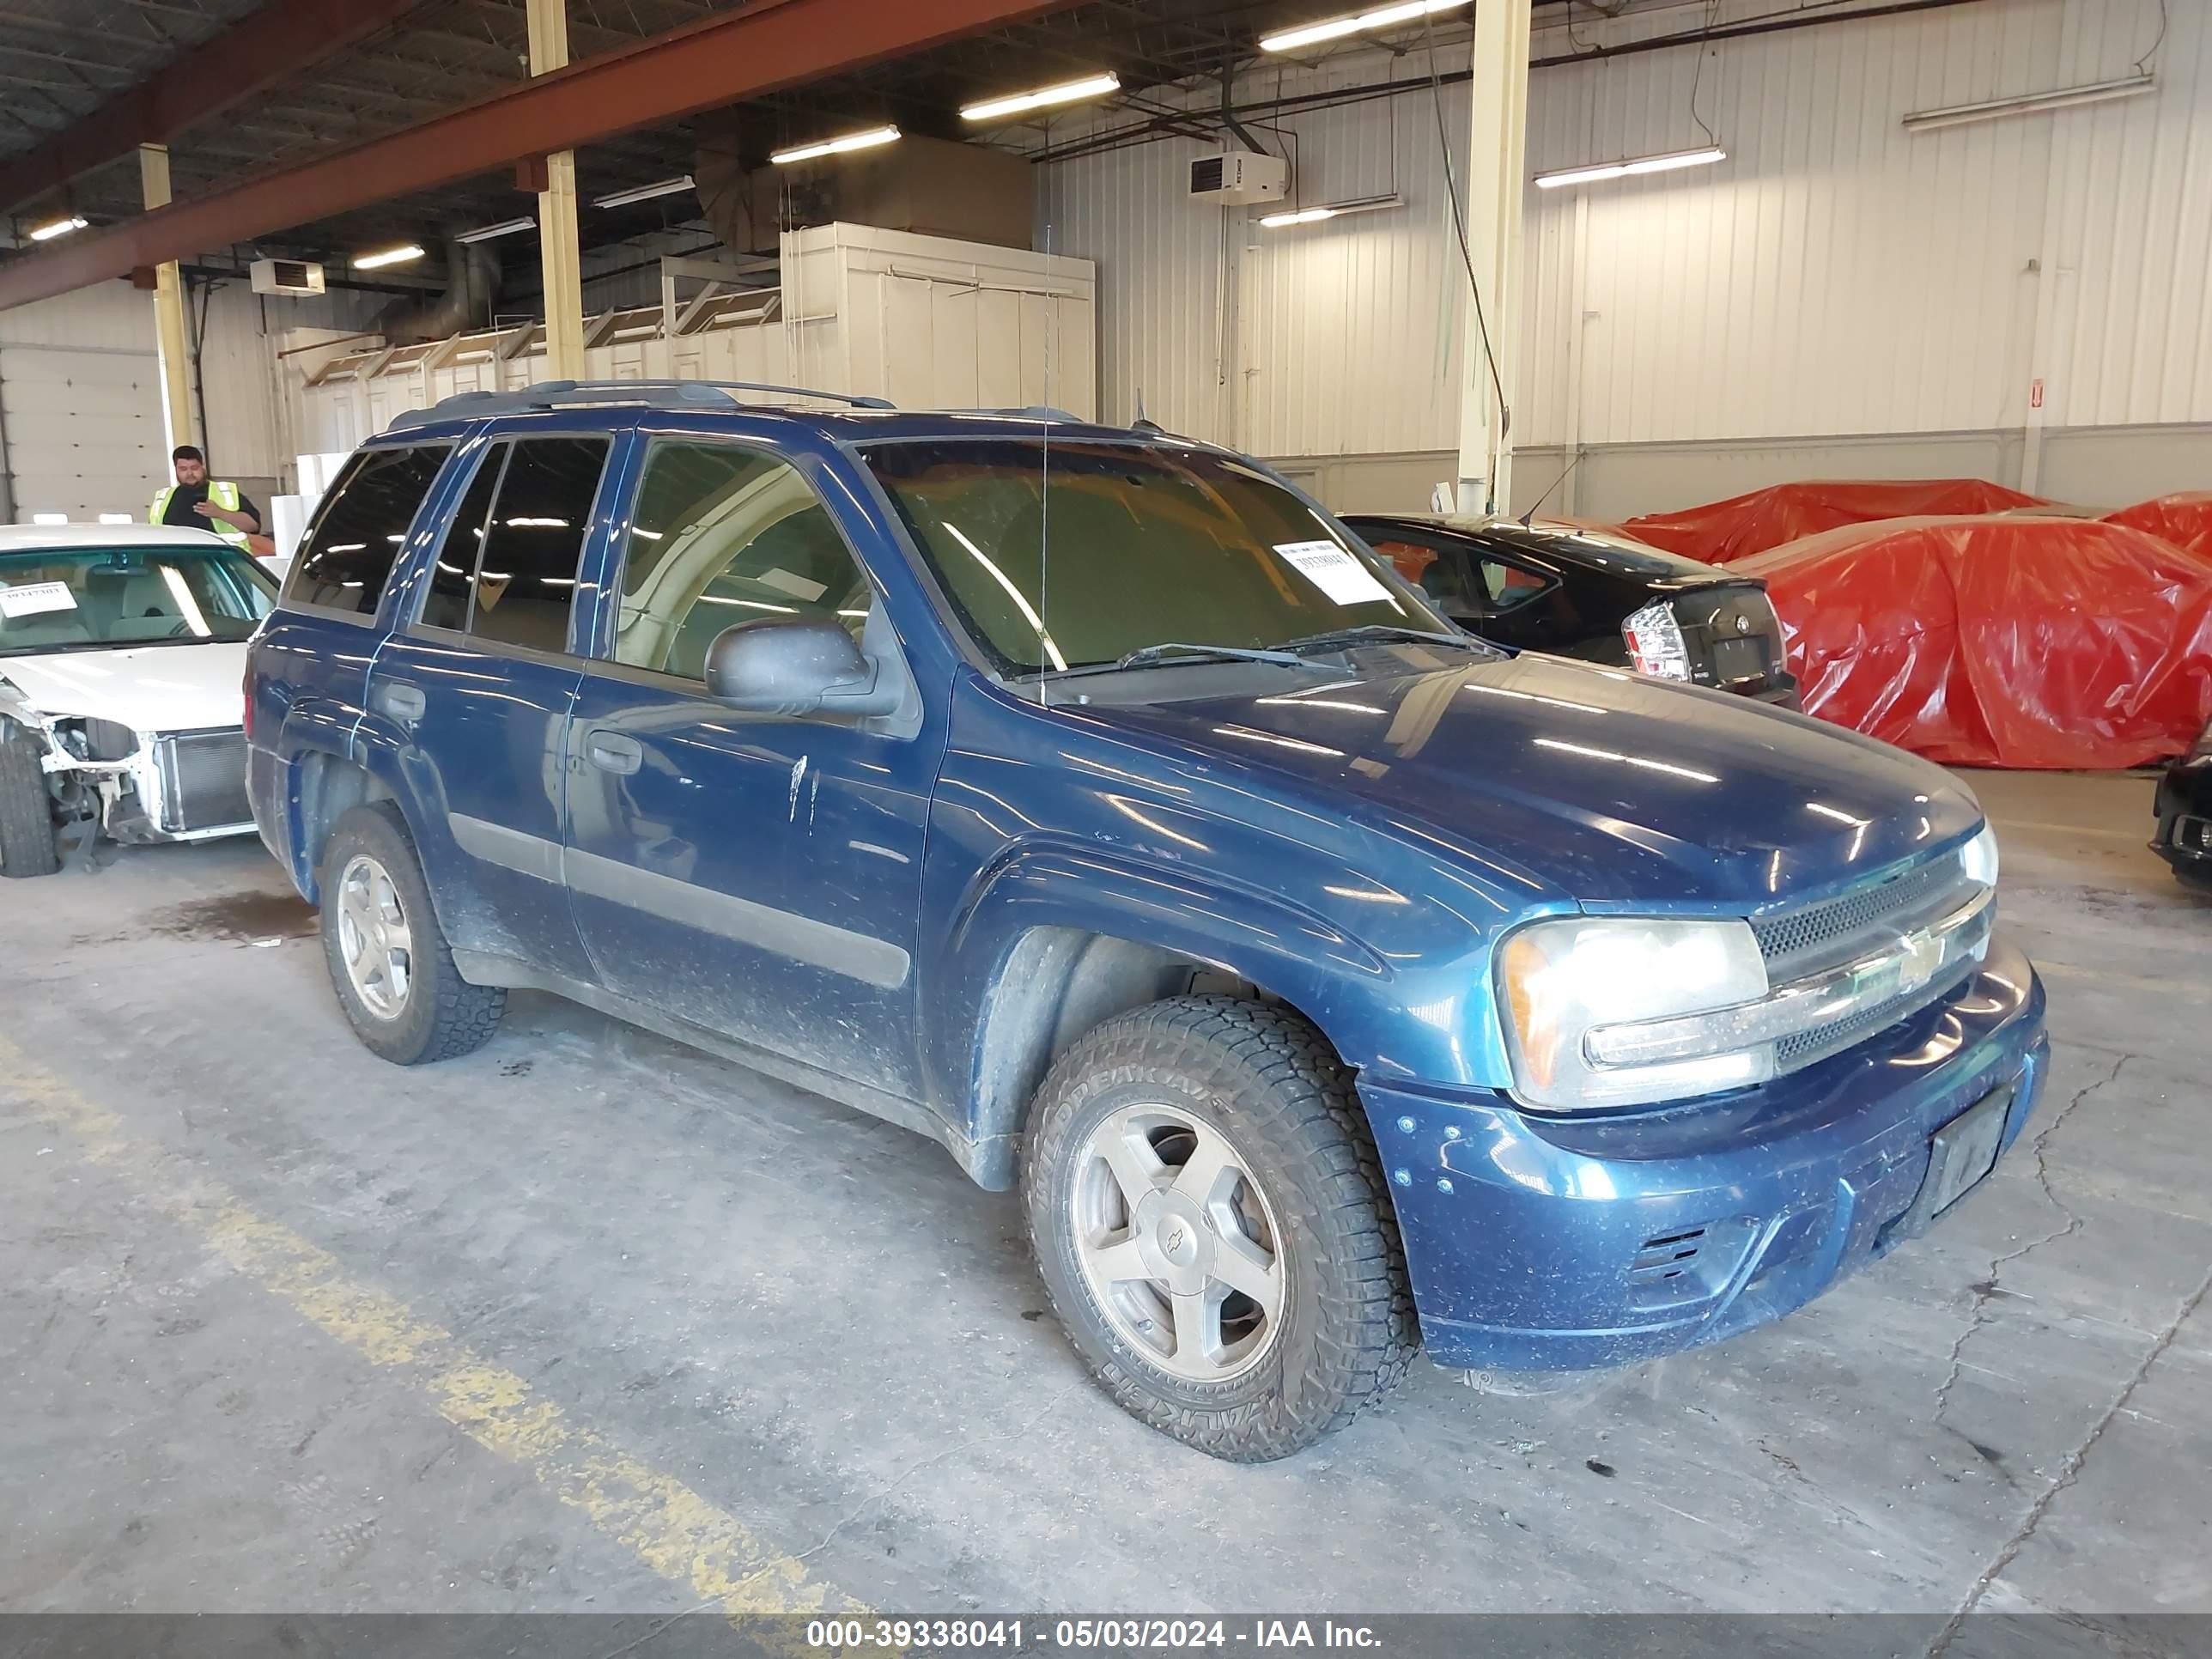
x,y
732,55
251,55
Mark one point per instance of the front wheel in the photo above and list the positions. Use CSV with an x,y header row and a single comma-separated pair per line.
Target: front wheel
x,y
389,961
1211,1222
26,812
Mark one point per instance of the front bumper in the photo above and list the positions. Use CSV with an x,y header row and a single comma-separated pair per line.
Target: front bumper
x,y
1547,1244
2185,821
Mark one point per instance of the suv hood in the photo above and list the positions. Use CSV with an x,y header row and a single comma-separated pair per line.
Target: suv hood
x,y
161,688
1608,787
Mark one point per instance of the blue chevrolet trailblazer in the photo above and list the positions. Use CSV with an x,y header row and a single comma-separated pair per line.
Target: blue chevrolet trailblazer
x,y
1333,984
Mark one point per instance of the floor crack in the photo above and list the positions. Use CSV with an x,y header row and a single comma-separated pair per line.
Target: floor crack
x,y
2069,1472
1988,1289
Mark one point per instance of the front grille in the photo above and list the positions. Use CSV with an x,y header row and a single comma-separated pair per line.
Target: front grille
x,y
1669,1255
202,780
1805,941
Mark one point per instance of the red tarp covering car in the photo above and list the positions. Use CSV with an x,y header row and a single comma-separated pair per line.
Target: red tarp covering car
x,y
2015,642
2185,520
1722,532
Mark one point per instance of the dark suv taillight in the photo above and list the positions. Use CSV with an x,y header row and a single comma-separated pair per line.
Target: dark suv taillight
x,y
1654,638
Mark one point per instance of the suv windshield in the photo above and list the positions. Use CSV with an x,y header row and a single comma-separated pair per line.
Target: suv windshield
x,y
1148,544
96,598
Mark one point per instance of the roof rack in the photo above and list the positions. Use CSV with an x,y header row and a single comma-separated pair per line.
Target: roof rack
x,y
652,394
1027,412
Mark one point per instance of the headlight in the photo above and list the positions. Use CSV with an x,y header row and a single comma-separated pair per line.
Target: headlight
x,y
1603,1011
1563,984
1979,857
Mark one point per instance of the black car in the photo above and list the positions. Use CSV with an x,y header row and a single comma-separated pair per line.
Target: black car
x,y
2184,816
1587,593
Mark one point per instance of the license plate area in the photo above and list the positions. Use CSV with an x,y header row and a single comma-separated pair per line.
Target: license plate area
x,y
1736,660
1960,1154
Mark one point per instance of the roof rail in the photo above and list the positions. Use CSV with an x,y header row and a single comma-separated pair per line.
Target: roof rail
x,y
1028,412
653,394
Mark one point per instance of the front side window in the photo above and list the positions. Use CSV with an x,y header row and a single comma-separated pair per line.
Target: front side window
x,y
1071,554
506,569
97,598
346,557
723,534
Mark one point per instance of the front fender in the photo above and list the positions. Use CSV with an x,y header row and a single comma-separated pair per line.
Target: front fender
x,y
985,1033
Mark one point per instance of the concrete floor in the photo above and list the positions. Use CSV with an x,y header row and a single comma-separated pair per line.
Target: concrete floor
x,y
589,1321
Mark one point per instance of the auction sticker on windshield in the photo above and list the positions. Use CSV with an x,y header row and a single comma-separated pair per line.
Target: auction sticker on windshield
x,y
32,597
1332,570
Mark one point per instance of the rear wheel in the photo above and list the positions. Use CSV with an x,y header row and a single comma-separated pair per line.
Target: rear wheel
x,y
1210,1220
26,812
388,960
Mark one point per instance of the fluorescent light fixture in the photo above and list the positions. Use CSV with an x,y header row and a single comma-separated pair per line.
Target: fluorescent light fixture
x,y
504,227
391,255
1314,216
117,517
1604,170
1070,92
643,192
50,517
1336,28
2028,103
851,141
54,228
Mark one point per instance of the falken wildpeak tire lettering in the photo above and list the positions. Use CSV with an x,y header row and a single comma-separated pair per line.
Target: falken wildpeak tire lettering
x,y
1268,1082
445,1015
27,817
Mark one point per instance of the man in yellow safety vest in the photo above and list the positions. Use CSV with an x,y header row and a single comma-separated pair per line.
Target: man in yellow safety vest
x,y
196,501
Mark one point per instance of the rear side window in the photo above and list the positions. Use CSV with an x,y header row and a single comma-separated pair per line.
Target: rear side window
x,y
507,571
454,572
346,557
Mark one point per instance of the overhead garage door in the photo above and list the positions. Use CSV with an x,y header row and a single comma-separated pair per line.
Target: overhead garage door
x,y
83,429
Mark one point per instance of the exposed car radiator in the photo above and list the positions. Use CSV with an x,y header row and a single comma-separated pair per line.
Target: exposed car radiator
x,y
202,780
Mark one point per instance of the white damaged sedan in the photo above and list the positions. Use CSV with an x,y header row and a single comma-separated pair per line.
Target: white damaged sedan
x,y
122,654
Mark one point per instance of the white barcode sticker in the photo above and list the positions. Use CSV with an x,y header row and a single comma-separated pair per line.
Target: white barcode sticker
x,y
798,586
35,596
1335,572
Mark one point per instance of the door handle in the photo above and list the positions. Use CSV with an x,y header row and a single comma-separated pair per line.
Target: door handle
x,y
404,703
612,752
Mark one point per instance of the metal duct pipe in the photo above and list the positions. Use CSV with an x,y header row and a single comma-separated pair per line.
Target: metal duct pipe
x,y
472,284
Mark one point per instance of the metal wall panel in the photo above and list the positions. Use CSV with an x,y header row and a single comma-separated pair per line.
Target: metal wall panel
x,y
83,396
1837,275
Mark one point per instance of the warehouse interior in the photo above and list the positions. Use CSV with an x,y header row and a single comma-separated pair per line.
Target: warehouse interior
x,y
1897,313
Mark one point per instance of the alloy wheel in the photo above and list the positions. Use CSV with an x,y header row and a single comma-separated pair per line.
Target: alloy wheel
x,y
374,939
1178,1243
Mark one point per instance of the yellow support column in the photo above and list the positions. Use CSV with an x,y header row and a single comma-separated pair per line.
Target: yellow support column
x,y
1497,177
557,211
177,413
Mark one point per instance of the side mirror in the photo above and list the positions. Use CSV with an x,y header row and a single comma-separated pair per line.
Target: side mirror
x,y
774,667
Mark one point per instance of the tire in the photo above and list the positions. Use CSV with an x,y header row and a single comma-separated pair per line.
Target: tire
x,y
412,1014
1326,1332
26,812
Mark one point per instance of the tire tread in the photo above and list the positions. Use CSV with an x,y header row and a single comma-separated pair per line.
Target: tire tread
x,y
26,816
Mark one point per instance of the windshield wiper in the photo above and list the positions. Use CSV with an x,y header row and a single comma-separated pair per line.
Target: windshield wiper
x,y
1376,631
1174,651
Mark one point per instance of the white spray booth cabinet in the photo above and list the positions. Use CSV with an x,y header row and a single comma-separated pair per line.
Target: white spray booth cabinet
x,y
928,322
